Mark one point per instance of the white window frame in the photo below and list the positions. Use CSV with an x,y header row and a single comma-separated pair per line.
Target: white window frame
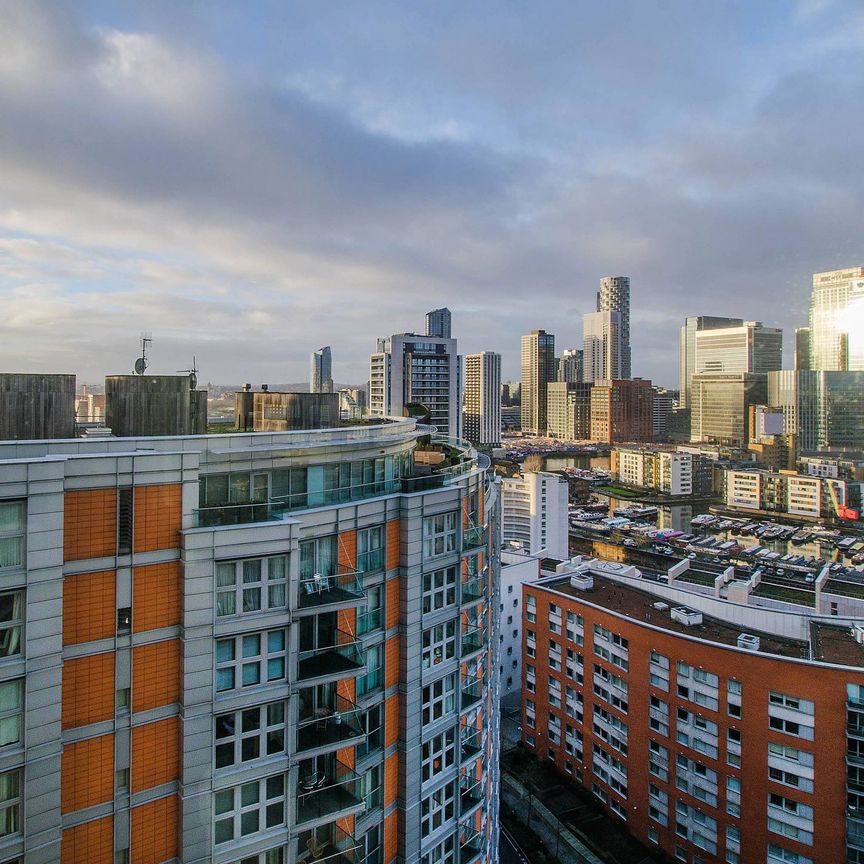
x,y
251,585
242,659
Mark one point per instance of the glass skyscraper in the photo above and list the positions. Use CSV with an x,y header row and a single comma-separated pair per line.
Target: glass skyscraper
x,y
837,320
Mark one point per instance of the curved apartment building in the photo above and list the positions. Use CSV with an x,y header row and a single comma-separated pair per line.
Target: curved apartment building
x,y
716,731
249,649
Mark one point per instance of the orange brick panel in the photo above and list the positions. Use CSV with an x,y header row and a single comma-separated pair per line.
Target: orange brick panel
x,y
87,773
89,607
88,690
391,721
158,512
392,598
155,753
392,544
89,524
391,779
346,620
154,831
391,662
347,688
89,843
391,827
155,674
346,756
156,596
347,551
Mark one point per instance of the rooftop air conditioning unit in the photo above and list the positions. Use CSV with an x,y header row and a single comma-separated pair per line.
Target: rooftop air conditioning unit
x,y
582,581
858,633
660,606
748,642
685,616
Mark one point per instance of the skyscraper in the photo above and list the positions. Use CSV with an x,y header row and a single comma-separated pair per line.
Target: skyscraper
x,y
601,356
837,320
321,371
720,405
614,296
411,368
687,349
571,366
622,410
802,347
538,369
481,421
750,347
438,323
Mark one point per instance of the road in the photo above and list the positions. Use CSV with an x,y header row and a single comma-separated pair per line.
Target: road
x,y
508,850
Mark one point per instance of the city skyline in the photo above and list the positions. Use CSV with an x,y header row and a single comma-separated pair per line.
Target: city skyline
x,y
238,186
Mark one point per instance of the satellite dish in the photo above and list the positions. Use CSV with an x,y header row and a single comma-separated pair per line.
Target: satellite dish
x,y
140,366
193,381
193,373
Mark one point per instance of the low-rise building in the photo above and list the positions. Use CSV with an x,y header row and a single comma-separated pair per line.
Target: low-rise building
x,y
664,471
516,569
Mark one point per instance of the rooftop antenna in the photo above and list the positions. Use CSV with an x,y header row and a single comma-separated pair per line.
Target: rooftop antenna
x,y
192,373
141,363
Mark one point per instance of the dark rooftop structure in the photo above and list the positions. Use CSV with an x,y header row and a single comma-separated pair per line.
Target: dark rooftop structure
x,y
154,405
36,406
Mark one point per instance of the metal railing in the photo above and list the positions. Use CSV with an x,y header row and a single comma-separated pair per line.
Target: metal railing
x,y
473,589
327,845
331,790
343,657
472,641
326,719
343,586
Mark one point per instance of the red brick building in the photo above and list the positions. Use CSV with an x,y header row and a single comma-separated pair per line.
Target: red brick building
x,y
703,742
622,410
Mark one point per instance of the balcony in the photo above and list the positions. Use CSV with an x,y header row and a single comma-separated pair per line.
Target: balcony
x,y
474,537
327,845
470,740
327,789
473,590
470,792
473,642
327,721
855,730
344,588
339,656
472,693
471,844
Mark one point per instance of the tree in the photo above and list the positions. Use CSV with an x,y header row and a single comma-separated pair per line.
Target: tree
x,y
534,462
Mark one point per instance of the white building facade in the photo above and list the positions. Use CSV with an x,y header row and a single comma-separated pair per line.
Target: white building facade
x,y
535,513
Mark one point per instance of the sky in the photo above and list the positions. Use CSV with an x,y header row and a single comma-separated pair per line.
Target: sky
x,y
251,181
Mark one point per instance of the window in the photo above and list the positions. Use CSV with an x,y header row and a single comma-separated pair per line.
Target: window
x,y
318,557
439,644
374,728
439,589
249,734
443,853
439,699
11,703
251,585
11,622
374,677
370,549
125,520
439,534
10,802
12,531
372,617
372,790
784,856
438,754
437,808
249,660
271,856
249,808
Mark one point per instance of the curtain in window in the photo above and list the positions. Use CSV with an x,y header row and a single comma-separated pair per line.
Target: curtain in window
x,y
11,517
327,555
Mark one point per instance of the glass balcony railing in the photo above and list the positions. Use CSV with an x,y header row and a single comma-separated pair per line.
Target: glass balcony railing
x,y
473,589
327,789
327,845
855,730
341,656
344,587
473,537
470,740
472,641
472,693
470,845
327,721
470,792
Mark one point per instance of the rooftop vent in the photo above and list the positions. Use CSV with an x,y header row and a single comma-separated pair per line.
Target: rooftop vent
x,y
685,616
660,606
748,642
582,581
858,633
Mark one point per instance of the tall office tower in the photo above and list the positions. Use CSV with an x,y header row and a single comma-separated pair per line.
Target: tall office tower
x,y
802,347
538,369
751,347
837,320
664,402
481,420
720,406
614,296
622,411
602,354
711,729
534,508
321,371
438,323
236,651
410,368
571,366
687,349
568,410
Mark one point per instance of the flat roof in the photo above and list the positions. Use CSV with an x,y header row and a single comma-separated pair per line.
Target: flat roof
x,y
833,644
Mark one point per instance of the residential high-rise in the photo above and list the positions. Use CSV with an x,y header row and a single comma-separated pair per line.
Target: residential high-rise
x,y
602,353
614,296
538,369
481,420
321,371
664,402
837,320
622,411
223,648
438,323
720,405
802,347
750,347
571,366
687,349
713,730
534,513
568,410
410,368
